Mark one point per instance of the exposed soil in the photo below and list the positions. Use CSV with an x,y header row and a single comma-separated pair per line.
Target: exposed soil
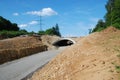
x,y
94,57
19,42
18,47
48,40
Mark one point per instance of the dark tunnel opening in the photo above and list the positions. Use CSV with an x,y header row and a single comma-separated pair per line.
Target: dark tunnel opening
x,y
64,42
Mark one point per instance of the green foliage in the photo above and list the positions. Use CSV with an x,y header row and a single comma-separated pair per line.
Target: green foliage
x,y
31,33
41,33
109,15
7,25
100,26
11,34
112,16
117,67
116,25
113,13
15,27
57,31
90,31
9,30
51,31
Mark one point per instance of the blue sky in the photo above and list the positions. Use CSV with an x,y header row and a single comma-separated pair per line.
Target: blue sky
x,y
74,17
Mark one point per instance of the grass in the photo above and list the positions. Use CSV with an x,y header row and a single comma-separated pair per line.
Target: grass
x,y
118,55
117,68
118,51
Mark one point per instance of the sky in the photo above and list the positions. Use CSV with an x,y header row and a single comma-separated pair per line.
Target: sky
x,y
74,17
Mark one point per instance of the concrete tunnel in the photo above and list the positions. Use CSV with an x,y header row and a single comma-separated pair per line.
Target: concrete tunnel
x,y
64,42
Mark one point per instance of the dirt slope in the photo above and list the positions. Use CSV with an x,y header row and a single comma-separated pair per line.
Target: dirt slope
x,y
48,40
18,47
95,57
22,42
19,42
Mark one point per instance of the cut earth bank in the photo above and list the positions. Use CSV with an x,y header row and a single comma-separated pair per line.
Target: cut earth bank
x,y
94,57
18,47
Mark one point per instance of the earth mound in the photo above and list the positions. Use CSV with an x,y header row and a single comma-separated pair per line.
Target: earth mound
x,y
94,57
48,40
110,29
18,47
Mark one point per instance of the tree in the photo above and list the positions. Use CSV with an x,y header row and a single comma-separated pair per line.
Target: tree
x,y
109,8
41,32
57,30
100,26
51,31
112,17
7,25
15,27
90,31
2,23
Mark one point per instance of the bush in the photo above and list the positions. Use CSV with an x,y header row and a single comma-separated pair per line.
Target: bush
x,y
116,25
11,34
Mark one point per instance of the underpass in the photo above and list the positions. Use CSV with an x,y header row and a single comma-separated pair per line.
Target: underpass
x,y
19,69
64,42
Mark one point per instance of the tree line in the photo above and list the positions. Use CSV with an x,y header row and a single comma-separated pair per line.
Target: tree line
x,y
51,31
111,18
9,30
7,25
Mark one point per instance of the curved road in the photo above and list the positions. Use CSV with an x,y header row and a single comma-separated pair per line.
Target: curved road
x,y
18,69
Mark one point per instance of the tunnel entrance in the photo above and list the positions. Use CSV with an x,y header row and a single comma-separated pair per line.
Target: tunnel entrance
x,y
63,42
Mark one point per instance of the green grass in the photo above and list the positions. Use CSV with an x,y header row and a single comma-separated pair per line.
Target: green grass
x,y
117,68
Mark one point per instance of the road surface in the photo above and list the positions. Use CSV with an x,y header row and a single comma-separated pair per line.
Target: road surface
x,y
18,69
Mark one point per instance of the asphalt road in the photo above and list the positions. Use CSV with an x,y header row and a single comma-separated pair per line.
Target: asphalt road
x,y
18,69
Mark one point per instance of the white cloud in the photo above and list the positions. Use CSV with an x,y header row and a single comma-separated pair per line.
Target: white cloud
x,y
33,22
28,24
43,12
16,14
22,25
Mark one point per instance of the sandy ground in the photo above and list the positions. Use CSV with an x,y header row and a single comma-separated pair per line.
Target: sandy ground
x,y
94,57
